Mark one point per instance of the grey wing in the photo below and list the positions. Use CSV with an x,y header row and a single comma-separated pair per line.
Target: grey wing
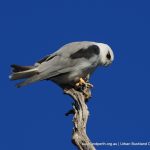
x,y
71,57
73,47
65,50
67,59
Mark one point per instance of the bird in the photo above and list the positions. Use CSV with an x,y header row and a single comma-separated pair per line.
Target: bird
x,y
70,66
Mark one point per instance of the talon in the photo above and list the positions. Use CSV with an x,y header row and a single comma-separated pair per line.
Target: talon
x,y
84,87
77,84
81,82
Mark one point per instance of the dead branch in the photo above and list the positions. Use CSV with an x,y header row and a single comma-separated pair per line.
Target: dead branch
x,y
81,113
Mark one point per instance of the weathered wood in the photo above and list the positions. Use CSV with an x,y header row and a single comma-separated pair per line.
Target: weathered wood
x,y
81,113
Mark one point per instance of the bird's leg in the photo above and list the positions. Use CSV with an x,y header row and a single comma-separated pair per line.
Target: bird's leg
x,y
84,86
80,83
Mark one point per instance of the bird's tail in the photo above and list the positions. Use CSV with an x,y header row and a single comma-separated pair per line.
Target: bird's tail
x,y
22,72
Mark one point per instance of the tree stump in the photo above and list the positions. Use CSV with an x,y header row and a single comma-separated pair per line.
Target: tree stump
x,y
81,113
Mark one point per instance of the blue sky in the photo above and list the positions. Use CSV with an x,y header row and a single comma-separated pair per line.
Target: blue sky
x,y
33,117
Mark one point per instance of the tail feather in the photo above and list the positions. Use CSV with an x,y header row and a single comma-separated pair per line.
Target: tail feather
x,y
21,72
18,68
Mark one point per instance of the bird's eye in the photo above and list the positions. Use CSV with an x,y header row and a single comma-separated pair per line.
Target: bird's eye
x,y
108,56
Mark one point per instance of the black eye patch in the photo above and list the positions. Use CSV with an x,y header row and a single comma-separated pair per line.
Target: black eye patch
x,y
108,56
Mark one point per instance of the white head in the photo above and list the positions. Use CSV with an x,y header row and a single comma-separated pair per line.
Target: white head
x,y
106,54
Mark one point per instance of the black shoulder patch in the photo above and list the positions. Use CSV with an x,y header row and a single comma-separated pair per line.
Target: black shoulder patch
x,y
86,53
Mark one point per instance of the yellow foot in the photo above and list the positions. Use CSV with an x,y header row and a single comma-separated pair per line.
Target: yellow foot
x,y
83,83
